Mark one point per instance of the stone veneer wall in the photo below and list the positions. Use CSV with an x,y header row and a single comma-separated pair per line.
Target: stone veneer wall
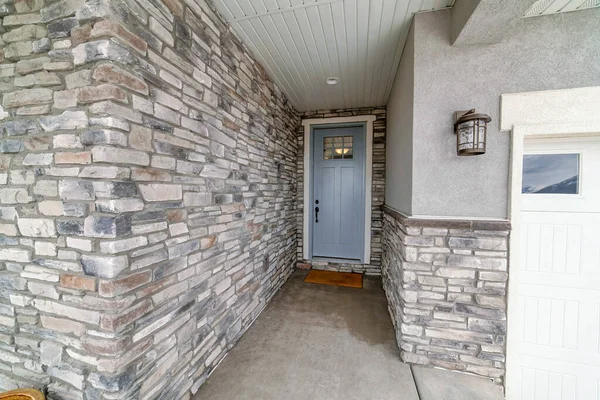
x,y
446,287
147,203
378,190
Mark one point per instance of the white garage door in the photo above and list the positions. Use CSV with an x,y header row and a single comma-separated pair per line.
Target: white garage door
x,y
554,332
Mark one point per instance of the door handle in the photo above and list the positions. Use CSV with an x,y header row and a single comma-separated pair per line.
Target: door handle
x,y
317,215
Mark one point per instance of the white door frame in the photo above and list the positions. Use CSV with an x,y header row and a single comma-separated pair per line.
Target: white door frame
x,y
308,123
567,113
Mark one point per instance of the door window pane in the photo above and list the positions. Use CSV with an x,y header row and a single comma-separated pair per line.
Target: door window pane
x,y
551,174
338,148
348,147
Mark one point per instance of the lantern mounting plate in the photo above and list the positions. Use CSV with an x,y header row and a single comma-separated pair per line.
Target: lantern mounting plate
x,y
458,114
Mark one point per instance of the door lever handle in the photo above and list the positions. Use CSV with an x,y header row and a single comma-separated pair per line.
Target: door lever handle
x,y
316,214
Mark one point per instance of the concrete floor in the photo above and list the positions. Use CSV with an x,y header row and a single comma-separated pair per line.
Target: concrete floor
x,y
324,342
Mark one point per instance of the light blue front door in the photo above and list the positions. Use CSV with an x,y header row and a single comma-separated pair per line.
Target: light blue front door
x,y
338,192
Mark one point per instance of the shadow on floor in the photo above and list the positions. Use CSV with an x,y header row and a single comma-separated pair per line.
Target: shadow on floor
x,y
318,342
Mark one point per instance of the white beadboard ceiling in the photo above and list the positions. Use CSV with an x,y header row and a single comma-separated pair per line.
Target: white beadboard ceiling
x,y
547,7
303,42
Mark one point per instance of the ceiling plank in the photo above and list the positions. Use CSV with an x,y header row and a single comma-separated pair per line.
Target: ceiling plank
x,y
253,14
316,26
313,49
388,15
339,27
330,44
396,27
247,8
306,60
269,62
556,6
350,23
574,5
427,5
364,11
270,5
304,81
375,14
279,51
413,7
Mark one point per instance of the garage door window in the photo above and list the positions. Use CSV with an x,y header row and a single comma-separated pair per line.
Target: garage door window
x,y
551,173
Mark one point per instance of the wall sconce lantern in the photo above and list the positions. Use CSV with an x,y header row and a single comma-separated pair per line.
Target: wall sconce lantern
x,y
471,131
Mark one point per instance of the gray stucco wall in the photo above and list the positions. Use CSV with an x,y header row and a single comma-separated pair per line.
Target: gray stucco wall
x,y
552,52
399,161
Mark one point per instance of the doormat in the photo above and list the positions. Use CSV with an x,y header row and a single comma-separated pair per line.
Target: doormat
x,y
334,278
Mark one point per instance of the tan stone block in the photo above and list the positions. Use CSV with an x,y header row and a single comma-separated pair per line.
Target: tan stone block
x,y
175,6
211,240
176,215
77,282
27,97
109,27
91,94
58,66
79,79
84,157
14,51
107,107
22,19
43,78
65,99
24,6
116,322
150,175
140,138
105,346
62,325
81,34
118,287
161,192
33,110
119,156
113,74
26,32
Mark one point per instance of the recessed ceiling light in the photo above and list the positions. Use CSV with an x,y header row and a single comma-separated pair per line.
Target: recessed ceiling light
x,y
332,80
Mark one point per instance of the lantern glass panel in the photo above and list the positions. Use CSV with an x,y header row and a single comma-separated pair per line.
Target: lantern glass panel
x,y
465,135
481,129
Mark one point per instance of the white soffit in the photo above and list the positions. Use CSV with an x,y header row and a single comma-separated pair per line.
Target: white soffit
x,y
548,7
303,42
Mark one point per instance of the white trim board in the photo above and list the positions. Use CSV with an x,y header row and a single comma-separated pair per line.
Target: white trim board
x,y
548,114
307,123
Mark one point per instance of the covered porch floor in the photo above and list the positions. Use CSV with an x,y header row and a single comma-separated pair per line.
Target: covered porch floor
x,y
327,342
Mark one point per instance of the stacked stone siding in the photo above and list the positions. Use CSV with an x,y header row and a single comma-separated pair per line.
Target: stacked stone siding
x,y
446,287
378,189
147,199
